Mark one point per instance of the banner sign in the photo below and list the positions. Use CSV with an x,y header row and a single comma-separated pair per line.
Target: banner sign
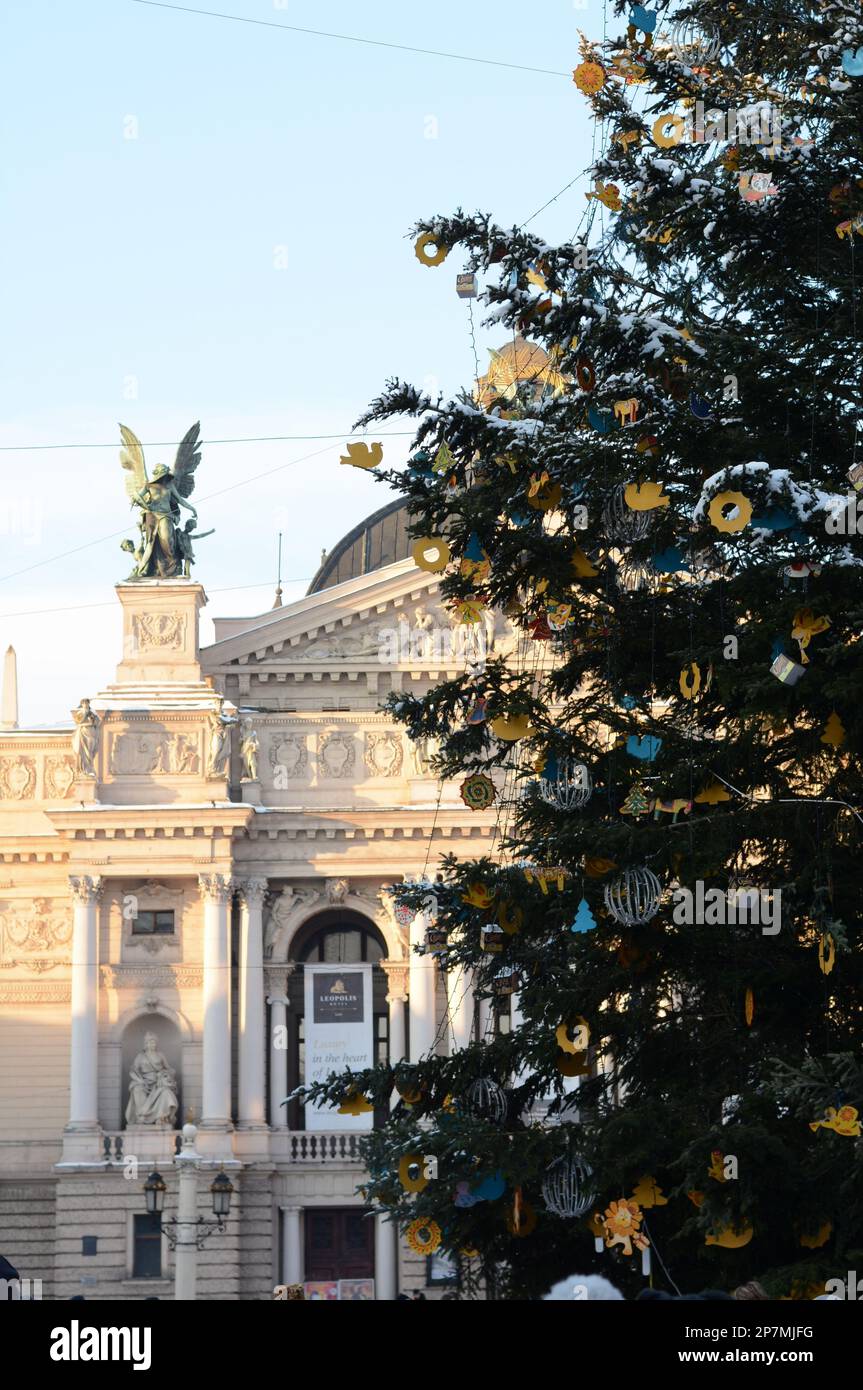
x,y
338,1034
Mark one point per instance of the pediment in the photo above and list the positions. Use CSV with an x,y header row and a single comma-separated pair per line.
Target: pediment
x,y
346,626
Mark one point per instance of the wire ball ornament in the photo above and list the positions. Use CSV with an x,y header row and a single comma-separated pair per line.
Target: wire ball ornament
x,y
568,1189
565,784
692,42
486,1100
633,897
619,522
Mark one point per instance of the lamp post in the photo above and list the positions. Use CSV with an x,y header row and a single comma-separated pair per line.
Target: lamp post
x,y
187,1232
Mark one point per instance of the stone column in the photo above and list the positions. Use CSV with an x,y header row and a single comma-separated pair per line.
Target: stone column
x,y
386,1264
277,998
217,890
423,971
397,996
460,1002
84,1055
292,1249
252,1010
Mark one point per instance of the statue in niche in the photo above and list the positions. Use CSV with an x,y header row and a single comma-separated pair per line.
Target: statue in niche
x,y
250,747
152,1087
85,740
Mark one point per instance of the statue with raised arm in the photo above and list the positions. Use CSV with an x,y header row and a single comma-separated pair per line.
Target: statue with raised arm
x,y
164,548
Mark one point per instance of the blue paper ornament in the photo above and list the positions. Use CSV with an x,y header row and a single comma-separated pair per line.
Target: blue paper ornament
x,y
473,550
628,701
774,519
670,561
645,748
490,1188
700,408
852,62
601,420
643,19
584,918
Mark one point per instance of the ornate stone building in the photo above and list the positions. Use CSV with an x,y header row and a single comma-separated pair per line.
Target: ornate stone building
x,y
215,824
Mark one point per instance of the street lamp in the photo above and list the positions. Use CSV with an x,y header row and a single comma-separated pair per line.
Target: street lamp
x,y
187,1233
154,1189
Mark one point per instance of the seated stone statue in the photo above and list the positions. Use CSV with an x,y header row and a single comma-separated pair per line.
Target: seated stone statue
x,y
152,1088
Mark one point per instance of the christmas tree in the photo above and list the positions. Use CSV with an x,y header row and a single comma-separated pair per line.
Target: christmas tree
x,y
664,513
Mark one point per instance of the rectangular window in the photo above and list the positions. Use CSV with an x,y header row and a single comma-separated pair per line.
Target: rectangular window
x,y
89,1245
147,1257
149,923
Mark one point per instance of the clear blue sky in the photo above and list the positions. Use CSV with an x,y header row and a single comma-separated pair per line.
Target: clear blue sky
x,y
141,277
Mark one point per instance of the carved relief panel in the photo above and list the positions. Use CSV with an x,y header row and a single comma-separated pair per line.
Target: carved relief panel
x,y
151,752
35,935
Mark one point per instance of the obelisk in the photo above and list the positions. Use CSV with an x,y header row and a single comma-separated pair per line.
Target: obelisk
x,y
9,707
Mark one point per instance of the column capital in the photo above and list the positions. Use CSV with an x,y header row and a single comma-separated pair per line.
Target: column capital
x,y
252,891
398,975
86,888
276,979
216,888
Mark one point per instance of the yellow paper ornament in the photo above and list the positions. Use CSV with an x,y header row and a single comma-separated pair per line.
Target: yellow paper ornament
x,y
826,953
424,253
690,680
510,728
644,497
423,1236
431,553
730,1237
834,731
738,520
412,1173
359,455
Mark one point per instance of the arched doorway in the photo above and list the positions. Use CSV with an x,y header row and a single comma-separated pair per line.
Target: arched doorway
x,y
335,937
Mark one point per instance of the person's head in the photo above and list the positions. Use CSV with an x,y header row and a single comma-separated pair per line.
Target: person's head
x,y
746,1293
161,474
583,1287
150,1042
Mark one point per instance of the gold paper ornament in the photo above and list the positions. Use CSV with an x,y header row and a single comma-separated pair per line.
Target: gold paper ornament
x,y
647,1193
690,680
431,553
741,518
423,1236
579,1039
510,728
412,1173
843,1121
644,497
749,1007
826,953
424,253
834,731
814,1240
712,794
730,1237
359,455
589,77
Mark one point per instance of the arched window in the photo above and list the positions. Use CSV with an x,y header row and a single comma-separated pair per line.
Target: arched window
x,y
336,937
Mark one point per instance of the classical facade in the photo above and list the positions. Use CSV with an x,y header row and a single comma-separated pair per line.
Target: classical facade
x,y
212,831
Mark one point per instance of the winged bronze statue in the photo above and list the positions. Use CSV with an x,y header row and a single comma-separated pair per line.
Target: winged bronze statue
x,y
164,549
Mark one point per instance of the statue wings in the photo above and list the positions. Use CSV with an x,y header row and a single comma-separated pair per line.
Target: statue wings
x,y
187,460
132,459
